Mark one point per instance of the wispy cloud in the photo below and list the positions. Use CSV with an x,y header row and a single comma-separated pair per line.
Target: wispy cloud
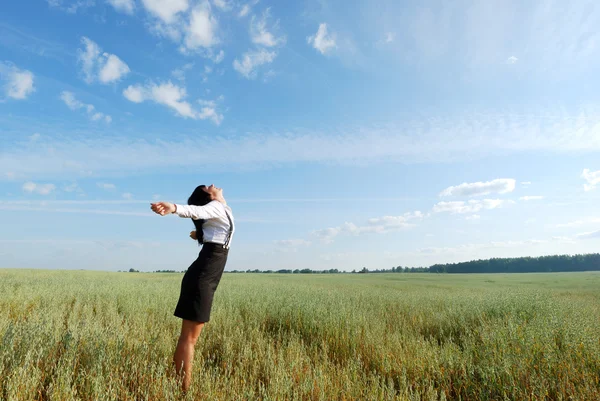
x,y
245,10
173,97
472,206
580,222
140,208
498,186
589,235
18,83
531,197
592,179
223,5
72,103
455,139
201,31
106,186
261,35
323,40
251,60
193,26
179,73
23,208
124,6
71,6
166,11
41,189
96,65
431,34
375,225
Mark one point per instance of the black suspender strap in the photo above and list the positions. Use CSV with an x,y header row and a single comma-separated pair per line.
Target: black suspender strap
x,y
230,234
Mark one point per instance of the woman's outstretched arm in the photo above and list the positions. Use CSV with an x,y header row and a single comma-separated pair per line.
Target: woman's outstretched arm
x,y
163,208
209,211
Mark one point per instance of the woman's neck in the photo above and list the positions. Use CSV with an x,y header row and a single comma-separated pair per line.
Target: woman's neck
x,y
221,199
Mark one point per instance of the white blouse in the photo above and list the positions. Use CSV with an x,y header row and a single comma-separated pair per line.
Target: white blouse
x,y
217,227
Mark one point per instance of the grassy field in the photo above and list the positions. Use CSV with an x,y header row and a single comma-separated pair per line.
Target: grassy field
x,y
110,336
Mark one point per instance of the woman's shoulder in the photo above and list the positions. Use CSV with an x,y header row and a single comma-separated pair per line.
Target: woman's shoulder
x,y
219,206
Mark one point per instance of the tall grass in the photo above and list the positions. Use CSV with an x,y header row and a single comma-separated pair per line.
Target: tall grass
x,y
110,336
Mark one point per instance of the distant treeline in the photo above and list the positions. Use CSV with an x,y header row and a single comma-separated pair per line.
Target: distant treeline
x,y
555,263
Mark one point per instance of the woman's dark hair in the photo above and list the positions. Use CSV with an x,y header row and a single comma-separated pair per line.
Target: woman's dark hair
x,y
199,198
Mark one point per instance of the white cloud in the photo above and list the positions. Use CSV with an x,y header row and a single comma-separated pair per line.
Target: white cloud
x,y
531,197
472,206
124,6
589,235
179,73
71,6
192,25
106,186
245,10
526,183
134,93
375,225
592,178
445,140
260,35
473,217
73,187
386,223
323,41
72,103
512,60
251,60
166,10
389,37
127,195
88,58
201,31
223,5
218,57
582,222
499,186
95,65
18,84
113,69
41,189
172,96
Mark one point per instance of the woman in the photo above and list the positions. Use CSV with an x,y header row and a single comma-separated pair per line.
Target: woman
x,y
214,229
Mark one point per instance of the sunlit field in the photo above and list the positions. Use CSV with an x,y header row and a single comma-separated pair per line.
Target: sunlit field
x,y
74,335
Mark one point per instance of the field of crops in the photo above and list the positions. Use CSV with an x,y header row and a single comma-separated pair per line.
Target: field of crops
x,y
110,336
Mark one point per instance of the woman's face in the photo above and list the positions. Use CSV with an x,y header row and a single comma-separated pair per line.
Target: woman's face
x,y
213,191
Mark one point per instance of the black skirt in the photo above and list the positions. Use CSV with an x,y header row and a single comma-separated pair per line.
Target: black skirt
x,y
200,282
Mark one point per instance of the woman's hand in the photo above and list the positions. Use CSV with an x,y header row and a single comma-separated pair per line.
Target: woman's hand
x,y
163,208
193,235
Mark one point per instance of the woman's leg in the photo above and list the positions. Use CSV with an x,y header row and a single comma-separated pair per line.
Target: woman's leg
x,y
184,354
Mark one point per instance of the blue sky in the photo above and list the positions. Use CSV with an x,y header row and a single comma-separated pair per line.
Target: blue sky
x,y
345,134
